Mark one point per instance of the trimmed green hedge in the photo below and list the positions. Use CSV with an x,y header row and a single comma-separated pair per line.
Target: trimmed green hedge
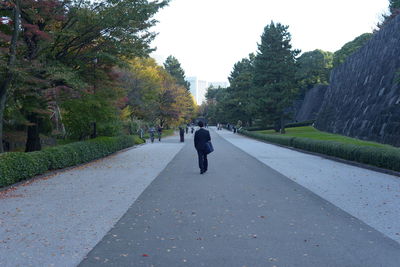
x,y
289,125
278,139
18,166
387,158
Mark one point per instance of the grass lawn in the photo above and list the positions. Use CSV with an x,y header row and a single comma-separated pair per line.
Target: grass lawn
x,y
312,133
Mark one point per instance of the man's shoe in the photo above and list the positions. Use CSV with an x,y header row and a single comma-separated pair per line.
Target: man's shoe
x,y
204,170
201,172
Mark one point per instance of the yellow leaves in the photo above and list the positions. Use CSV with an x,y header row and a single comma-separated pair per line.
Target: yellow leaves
x,y
126,112
158,93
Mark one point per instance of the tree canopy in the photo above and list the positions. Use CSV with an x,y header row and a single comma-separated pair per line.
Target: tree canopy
x,y
173,67
63,63
349,48
274,74
394,6
313,68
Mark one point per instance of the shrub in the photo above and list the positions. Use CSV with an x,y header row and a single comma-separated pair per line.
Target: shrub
x,y
387,158
289,125
17,166
278,139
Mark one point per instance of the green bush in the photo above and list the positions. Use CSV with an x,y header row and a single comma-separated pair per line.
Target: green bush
x,y
382,157
278,139
17,166
300,124
289,125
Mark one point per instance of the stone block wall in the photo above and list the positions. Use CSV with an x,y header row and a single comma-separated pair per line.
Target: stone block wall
x,y
311,104
363,98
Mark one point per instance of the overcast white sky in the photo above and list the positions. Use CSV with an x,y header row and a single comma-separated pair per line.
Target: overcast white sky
x,y
209,36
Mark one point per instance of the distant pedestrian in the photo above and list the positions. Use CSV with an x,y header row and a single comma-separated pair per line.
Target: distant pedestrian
x,y
192,129
239,125
159,132
140,131
182,134
152,131
201,137
187,128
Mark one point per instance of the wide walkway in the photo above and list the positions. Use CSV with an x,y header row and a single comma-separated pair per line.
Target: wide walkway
x,y
57,219
370,196
240,213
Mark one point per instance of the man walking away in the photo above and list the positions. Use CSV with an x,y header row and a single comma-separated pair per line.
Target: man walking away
x,y
182,134
201,137
152,132
159,132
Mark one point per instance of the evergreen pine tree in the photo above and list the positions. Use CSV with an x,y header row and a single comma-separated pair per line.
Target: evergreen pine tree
x,y
274,74
239,91
173,67
394,5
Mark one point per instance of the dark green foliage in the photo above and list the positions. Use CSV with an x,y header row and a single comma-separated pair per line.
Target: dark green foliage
x,y
394,5
274,74
173,67
235,102
290,125
81,113
215,110
313,68
17,166
300,124
387,158
349,48
278,139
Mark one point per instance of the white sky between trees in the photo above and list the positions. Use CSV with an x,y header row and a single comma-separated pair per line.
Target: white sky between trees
x,y
209,36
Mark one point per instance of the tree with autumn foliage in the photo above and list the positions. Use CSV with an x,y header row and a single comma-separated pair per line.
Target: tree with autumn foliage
x,y
9,33
154,95
59,62
28,61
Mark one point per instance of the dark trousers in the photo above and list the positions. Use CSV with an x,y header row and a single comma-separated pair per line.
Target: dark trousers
x,y
203,162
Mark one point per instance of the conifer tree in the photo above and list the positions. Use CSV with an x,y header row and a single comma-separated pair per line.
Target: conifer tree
x,y
274,74
394,5
173,67
239,104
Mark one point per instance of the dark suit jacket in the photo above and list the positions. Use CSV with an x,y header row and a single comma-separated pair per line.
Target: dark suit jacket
x,y
201,137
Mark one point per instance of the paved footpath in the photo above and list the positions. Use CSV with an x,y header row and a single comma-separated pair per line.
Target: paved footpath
x,y
57,219
240,213
370,196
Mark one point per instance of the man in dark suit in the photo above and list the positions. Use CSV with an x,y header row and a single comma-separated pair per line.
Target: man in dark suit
x,y
201,137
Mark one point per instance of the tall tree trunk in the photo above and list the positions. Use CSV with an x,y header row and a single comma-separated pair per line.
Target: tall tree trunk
x,y
94,133
33,138
3,99
9,74
282,131
277,125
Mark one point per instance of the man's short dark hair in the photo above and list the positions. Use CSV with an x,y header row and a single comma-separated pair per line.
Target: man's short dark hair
x,y
200,123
